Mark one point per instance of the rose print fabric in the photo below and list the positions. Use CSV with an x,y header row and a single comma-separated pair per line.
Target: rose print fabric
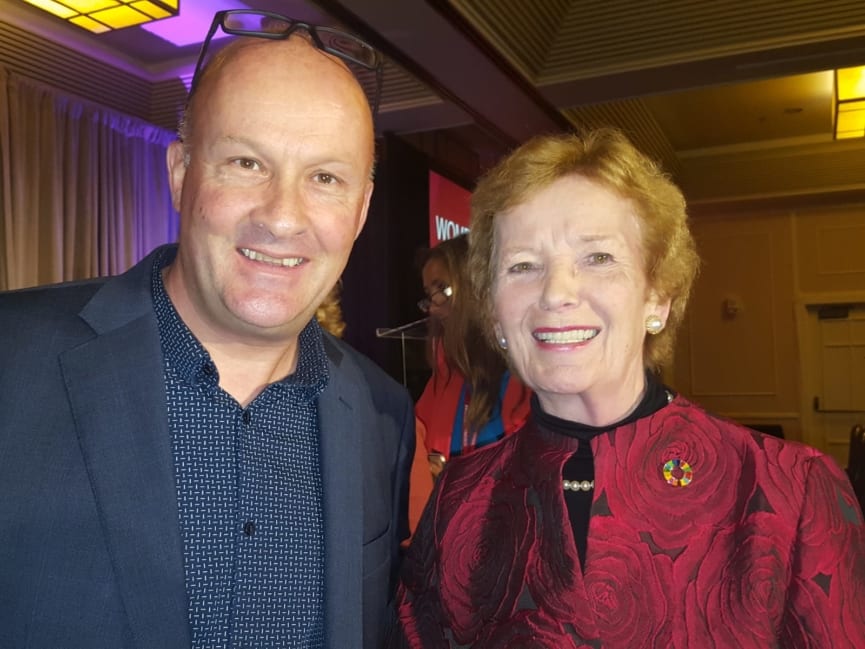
x,y
765,547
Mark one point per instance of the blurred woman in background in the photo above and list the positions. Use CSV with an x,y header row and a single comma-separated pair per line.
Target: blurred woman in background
x,y
470,400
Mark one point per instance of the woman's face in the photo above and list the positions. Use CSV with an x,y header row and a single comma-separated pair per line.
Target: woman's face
x,y
436,279
570,296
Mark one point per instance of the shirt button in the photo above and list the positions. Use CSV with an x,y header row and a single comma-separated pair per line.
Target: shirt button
x,y
246,417
249,528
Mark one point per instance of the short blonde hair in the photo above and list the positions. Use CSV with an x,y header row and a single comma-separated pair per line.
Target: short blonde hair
x,y
604,156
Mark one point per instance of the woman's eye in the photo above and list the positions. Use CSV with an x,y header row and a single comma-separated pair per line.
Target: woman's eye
x,y
600,258
521,267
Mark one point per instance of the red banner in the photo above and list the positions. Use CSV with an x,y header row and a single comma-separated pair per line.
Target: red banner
x,y
449,209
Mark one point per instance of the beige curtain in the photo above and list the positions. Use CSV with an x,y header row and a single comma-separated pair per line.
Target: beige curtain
x,y
83,189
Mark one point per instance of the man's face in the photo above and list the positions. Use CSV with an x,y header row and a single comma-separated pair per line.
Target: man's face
x,y
274,194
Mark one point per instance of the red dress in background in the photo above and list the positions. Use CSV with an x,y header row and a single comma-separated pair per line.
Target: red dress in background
x,y
703,534
435,413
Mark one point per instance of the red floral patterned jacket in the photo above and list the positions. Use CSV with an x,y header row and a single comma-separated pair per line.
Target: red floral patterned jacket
x,y
764,547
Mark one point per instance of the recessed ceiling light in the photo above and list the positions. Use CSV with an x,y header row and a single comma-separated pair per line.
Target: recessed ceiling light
x,y
100,16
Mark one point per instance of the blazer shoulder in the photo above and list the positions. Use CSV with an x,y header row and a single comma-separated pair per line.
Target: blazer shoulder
x,y
97,305
346,358
66,296
39,312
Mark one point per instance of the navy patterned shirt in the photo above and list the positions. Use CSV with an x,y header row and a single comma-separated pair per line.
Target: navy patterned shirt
x,y
249,493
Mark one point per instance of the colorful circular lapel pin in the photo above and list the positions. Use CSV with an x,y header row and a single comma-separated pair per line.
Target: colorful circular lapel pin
x,y
678,473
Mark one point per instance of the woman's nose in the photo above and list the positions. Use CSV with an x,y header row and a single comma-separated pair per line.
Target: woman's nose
x,y
439,311
561,286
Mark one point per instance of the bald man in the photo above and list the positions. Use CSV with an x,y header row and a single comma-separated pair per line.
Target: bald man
x,y
186,459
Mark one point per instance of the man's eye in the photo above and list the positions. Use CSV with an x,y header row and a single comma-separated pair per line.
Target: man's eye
x,y
246,163
326,178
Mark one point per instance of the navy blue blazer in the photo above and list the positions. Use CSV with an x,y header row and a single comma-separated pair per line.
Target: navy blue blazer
x,y
90,546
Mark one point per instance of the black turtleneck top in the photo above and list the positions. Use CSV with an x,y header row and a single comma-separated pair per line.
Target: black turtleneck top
x,y
580,466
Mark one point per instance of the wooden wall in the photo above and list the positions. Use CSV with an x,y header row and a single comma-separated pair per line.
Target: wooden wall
x,y
747,348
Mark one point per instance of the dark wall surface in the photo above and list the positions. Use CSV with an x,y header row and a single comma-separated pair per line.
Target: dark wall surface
x,y
381,285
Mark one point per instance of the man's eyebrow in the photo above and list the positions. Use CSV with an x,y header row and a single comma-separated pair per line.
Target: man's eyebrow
x,y
233,139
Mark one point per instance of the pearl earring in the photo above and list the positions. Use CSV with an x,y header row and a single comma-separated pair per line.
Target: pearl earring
x,y
654,325
503,343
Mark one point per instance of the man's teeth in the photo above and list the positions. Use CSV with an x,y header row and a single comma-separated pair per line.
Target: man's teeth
x,y
570,336
257,256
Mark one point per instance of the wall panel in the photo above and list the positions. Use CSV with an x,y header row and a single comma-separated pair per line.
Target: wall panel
x,y
737,353
830,245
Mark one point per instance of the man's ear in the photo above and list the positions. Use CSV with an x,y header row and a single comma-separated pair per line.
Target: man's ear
x,y
175,158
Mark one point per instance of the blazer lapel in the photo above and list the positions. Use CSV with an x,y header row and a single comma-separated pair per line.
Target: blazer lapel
x,y
343,499
116,390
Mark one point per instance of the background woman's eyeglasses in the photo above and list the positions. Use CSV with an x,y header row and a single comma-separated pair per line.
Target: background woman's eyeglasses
x,y
265,24
439,297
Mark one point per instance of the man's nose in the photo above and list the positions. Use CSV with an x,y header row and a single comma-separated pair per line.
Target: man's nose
x,y
283,210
